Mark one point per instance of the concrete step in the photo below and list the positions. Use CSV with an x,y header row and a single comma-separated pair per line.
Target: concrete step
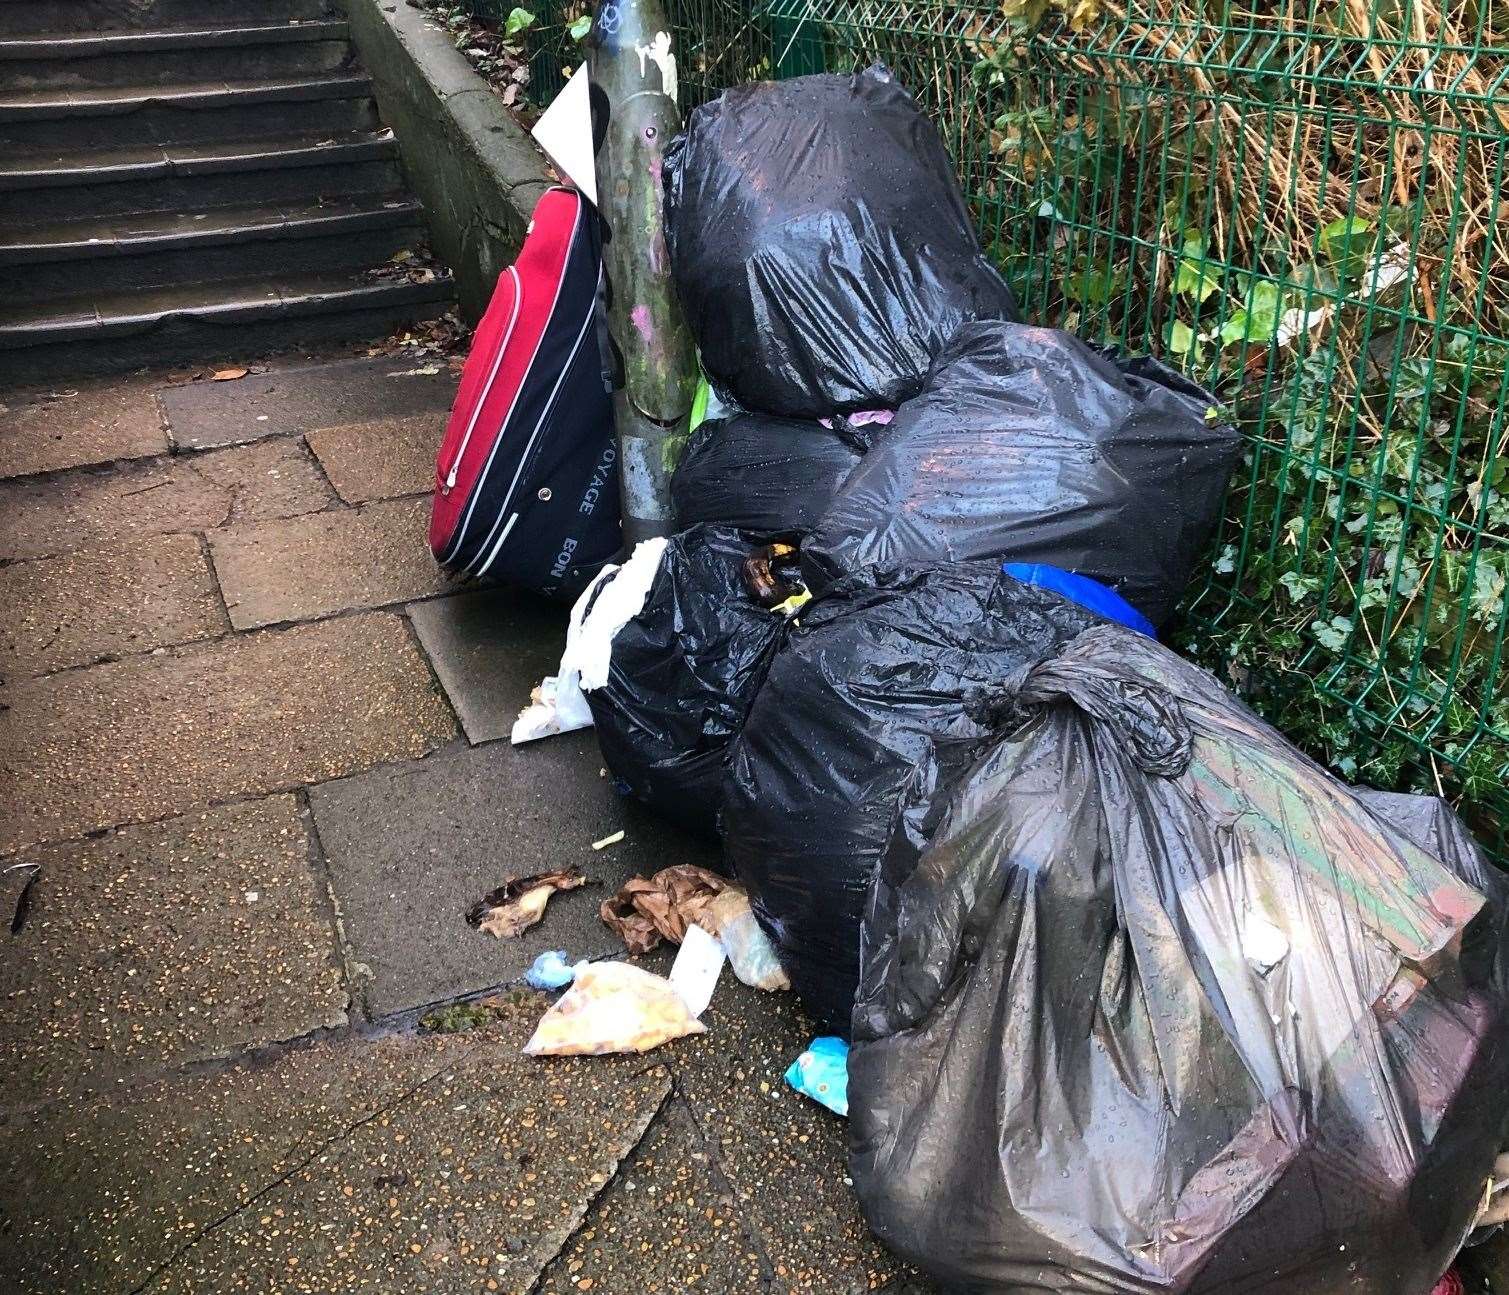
x,y
248,317
74,61
191,177
158,249
51,122
20,17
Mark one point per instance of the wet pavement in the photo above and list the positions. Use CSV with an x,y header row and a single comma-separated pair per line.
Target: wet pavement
x,y
255,754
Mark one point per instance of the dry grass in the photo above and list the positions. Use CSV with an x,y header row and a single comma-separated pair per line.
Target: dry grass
x,y
1407,112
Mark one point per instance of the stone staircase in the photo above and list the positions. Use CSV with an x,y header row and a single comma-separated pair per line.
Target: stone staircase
x,y
192,179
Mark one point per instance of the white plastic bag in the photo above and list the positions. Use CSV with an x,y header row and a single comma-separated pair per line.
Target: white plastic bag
x,y
750,952
615,596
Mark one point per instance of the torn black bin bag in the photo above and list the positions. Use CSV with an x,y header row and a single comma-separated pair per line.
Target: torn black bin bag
x,y
1163,1007
820,243
682,675
763,473
873,695
1029,444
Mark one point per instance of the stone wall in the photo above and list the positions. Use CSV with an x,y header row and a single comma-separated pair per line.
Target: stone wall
x,y
477,171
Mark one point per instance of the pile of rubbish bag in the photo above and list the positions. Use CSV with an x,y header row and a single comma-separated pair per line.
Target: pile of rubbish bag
x,y
1135,996
1172,1008
820,244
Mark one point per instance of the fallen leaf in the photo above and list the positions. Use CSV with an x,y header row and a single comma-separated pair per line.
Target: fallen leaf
x,y
228,375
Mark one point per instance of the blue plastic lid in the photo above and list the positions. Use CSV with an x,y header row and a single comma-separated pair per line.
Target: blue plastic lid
x,y
1089,594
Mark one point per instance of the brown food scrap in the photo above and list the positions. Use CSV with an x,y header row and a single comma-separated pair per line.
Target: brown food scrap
x,y
519,902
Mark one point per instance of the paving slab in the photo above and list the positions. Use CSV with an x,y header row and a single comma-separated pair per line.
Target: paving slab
x,y
272,478
412,847
164,943
302,567
490,647
94,1197
667,1223
414,1164
72,424
109,601
785,1156
472,1183
43,516
380,459
295,400
158,735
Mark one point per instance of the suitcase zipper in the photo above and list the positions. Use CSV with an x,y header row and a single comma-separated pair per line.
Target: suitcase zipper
x,y
513,319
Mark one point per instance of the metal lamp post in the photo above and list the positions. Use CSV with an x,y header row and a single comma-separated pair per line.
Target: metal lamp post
x,y
632,74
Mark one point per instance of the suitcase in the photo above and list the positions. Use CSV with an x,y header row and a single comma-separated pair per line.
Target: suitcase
x,y
526,483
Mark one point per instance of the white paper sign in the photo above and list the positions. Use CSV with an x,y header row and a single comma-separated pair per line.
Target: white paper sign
x,y
564,131
694,974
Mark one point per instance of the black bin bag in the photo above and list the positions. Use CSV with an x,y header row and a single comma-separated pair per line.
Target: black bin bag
x,y
763,473
820,243
1163,1007
682,675
876,693
1029,444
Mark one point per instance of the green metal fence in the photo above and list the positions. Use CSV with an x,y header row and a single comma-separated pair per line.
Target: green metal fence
x,y
1303,203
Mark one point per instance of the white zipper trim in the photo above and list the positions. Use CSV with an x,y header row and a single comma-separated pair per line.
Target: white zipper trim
x,y
513,320
498,545
466,518
545,413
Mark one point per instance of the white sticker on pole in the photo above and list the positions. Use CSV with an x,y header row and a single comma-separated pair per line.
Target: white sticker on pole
x,y
694,974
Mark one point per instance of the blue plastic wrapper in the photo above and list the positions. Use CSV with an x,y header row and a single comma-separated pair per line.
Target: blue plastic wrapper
x,y
1090,594
822,1073
550,971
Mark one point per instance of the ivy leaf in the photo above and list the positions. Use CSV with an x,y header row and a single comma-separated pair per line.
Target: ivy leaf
x,y
1414,378
1095,285
1194,278
1027,14
1488,593
1082,13
579,29
1297,586
1265,304
1333,633
1181,337
1238,328
1346,237
1258,321
517,21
